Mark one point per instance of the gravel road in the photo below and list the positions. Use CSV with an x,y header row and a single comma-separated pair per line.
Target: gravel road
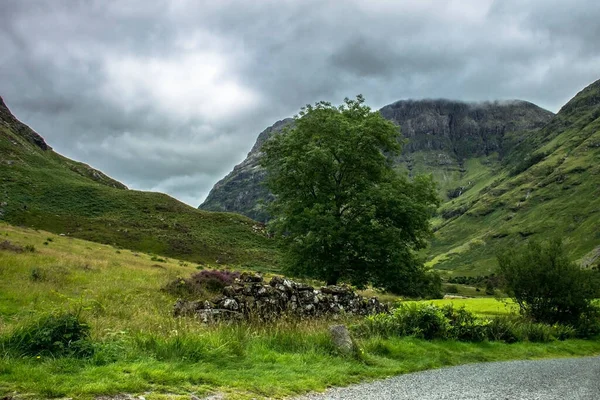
x,y
555,379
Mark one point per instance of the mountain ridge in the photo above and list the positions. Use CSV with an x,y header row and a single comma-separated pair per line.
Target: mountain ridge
x,y
430,125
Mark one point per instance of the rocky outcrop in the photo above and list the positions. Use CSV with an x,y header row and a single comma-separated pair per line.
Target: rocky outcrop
x,y
442,135
241,190
252,298
20,128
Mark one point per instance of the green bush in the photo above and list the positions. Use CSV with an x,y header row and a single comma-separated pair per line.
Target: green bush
x,y
420,320
534,332
546,285
503,329
428,321
52,335
452,289
465,326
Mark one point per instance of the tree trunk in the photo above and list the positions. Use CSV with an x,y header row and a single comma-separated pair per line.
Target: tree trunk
x,y
333,278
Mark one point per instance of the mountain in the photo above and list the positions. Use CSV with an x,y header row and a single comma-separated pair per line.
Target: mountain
x,y
548,186
42,189
459,143
507,171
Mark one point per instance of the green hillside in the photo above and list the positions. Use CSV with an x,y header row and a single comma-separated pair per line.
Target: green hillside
x,y
547,186
44,190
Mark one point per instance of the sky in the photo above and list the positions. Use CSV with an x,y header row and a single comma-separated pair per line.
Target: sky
x,y
168,95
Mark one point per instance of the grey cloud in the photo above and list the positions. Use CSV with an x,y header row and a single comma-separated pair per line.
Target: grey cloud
x,y
169,96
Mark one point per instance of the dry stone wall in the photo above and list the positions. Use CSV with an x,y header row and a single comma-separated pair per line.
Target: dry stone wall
x,y
251,297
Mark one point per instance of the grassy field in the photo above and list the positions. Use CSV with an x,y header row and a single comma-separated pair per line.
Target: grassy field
x,y
141,349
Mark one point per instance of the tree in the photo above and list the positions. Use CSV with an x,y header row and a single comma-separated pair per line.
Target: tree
x,y
341,209
546,285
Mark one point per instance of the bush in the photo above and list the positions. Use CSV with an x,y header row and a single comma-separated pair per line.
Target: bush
x,y
546,285
503,329
426,321
417,284
52,335
201,284
452,289
465,326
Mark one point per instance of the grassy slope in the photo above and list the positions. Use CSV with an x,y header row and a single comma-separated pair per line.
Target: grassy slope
x,y
557,196
142,348
42,189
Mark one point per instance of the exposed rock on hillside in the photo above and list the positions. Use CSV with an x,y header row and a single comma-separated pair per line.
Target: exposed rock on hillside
x,y
241,190
442,135
251,297
20,128
30,136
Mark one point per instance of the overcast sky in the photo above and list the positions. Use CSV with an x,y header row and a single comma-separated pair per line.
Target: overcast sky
x,y
169,95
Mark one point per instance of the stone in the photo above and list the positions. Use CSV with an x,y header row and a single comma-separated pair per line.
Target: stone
x,y
250,299
341,339
251,277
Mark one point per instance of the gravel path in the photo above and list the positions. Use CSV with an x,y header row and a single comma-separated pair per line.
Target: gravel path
x,y
556,379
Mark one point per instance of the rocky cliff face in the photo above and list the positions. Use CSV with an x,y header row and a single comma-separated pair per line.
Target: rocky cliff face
x,y
462,130
241,190
442,135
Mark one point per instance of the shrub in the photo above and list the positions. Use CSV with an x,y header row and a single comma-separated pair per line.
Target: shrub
x,y
452,289
502,329
465,326
545,284
534,332
427,321
424,321
37,275
202,283
53,335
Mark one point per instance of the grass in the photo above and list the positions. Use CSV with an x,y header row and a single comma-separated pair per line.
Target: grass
x,y
141,348
486,306
261,366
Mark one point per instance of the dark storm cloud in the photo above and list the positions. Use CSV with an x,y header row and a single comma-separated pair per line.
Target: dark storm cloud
x,y
169,95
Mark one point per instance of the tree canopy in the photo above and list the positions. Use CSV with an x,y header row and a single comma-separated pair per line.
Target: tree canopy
x,y
340,208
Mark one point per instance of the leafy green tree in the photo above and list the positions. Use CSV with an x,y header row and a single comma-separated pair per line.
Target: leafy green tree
x,y
546,285
341,209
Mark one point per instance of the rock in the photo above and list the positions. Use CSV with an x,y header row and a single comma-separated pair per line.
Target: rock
x,y
250,277
341,339
303,286
454,296
230,304
251,298
333,289
276,281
